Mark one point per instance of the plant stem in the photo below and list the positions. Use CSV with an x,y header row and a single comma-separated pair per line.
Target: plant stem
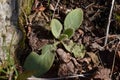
x,y
109,21
113,65
55,8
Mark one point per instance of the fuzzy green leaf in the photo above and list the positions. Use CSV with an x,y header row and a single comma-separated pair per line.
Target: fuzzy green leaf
x,y
69,32
77,50
56,28
40,63
68,45
74,19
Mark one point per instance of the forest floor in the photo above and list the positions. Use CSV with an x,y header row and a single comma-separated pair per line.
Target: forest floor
x,y
101,62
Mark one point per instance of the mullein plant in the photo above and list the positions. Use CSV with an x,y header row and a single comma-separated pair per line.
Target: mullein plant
x,y
38,65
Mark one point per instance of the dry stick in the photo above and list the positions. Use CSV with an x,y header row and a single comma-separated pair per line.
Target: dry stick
x,y
113,65
109,21
55,8
61,78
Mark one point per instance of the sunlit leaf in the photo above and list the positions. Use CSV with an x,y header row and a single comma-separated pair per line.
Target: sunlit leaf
x,y
56,28
74,19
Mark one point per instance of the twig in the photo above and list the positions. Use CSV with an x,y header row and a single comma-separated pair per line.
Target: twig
x,y
55,8
109,21
89,5
99,58
113,65
95,15
61,78
11,74
109,36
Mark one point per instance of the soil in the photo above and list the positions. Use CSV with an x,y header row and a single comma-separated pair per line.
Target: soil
x,y
98,63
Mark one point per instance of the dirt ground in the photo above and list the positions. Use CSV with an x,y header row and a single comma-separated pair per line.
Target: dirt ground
x,y
101,62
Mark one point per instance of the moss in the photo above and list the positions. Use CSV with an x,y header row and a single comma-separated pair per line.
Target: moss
x,y
24,10
117,17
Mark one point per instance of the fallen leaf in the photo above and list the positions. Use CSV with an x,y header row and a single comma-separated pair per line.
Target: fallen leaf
x,y
94,58
41,8
65,57
102,74
66,69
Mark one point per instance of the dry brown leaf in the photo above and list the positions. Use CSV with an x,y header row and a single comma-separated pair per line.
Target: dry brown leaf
x,y
94,58
41,8
102,74
66,69
119,54
65,57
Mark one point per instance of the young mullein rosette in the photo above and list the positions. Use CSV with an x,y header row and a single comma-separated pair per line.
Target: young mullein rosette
x,y
9,33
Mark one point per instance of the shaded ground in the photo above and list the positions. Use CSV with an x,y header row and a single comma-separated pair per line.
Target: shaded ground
x,y
98,63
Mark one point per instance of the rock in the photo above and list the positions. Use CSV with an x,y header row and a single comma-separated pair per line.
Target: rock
x,y
9,32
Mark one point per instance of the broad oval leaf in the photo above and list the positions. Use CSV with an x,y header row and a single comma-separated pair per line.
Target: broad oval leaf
x,y
31,62
56,28
74,19
69,32
40,63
